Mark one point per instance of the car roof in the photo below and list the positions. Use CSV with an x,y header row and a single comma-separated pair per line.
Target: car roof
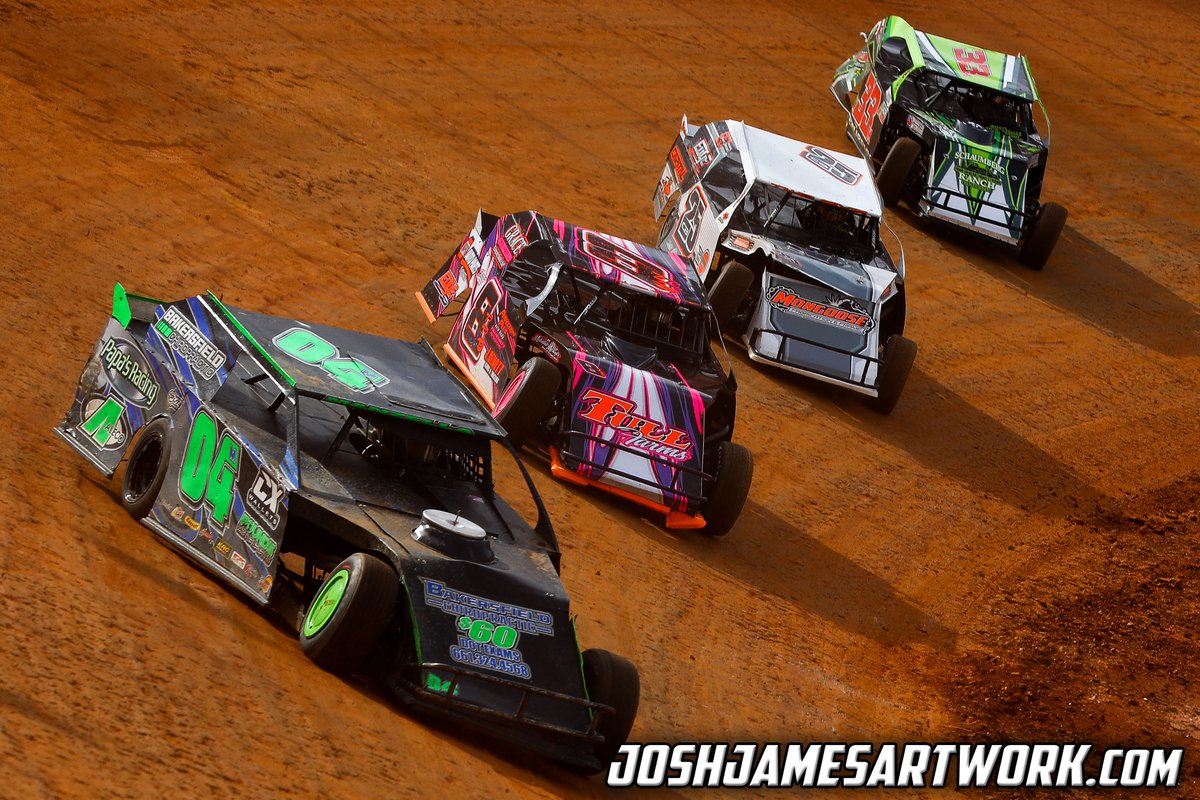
x,y
413,385
1008,74
670,277
796,166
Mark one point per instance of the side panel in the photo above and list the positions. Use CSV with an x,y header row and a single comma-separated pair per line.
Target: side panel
x,y
123,385
221,500
456,275
483,341
697,220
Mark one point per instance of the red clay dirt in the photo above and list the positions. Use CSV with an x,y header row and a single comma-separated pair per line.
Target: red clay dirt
x,y
1012,555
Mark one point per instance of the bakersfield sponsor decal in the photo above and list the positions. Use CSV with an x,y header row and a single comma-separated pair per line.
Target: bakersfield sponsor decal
x,y
636,431
833,312
184,338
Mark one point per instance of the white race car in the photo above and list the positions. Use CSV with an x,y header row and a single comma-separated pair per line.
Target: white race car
x,y
787,238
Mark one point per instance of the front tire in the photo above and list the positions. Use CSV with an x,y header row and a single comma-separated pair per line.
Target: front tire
x,y
735,472
612,680
898,355
897,166
146,468
352,608
1036,249
527,400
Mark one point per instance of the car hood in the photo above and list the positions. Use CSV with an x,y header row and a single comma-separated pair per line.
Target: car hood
x,y
865,282
999,143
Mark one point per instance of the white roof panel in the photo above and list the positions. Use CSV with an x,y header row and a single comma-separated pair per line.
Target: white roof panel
x,y
808,169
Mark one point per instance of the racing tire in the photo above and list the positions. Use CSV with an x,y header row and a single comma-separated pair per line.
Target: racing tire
x,y
527,399
352,608
898,355
735,472
893,173
1036,249
728,291
612,680
146,468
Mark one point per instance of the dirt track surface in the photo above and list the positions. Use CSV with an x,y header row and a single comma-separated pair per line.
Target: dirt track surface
x,y
1012,555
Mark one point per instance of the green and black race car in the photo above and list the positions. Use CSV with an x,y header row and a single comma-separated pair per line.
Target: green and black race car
x,y
346,481
951,128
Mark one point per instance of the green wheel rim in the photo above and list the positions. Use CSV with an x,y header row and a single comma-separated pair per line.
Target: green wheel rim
x,y
326,602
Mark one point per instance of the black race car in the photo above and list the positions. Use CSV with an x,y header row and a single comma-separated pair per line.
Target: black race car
x,y
346,481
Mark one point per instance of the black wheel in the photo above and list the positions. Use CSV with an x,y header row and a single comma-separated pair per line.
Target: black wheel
x,y
727,291
893,173
349,613
146,468
898,356
613,681
1036,249
527,399
735,470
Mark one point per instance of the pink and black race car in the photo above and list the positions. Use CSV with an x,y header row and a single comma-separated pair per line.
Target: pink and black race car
x,y
598,350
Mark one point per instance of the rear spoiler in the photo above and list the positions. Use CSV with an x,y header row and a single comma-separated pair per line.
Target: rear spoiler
x,y
459,271
675,169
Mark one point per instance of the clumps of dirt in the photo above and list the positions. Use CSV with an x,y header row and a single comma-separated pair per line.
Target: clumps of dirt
x,y
1108,655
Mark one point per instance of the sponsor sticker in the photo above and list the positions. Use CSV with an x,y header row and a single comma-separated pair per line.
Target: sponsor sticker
x,y
238,560
841,312
548,345
256,538
184,338
265,497
128,372
634,430
105,422
488,631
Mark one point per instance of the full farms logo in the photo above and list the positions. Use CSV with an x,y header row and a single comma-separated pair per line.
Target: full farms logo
x,y
638,432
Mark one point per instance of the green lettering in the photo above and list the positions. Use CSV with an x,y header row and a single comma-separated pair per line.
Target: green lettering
x,y
304,345
198,457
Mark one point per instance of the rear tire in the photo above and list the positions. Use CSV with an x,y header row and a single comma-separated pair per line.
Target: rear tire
x,y
612,680
1036,250
735,472
146,468
728,291
350,612
527,399
898,356
893,173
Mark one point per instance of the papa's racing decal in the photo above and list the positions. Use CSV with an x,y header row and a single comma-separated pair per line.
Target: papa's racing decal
x,y
638,432
128,372
825,161
488,630
184,338
833,312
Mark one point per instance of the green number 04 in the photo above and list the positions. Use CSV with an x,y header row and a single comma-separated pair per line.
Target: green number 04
x,y
209,469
